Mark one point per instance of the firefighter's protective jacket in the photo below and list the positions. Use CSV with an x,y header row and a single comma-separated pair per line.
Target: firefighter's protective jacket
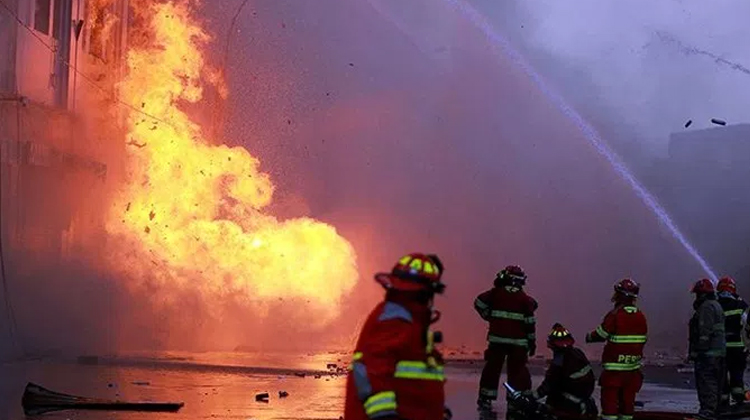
x,y
733,307
569,376
625,331
510,312
707,336
395,371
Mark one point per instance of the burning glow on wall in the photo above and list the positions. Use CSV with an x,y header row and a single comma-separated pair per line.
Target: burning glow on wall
x,y
192,215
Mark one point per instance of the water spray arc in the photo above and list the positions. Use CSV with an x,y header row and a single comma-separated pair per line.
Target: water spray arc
x,y
589,132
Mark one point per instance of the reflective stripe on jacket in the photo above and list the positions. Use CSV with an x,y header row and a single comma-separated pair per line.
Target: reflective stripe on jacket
x,y
625,331
510,313
395,370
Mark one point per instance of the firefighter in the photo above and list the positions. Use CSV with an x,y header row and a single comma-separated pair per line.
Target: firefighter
x,y
569,381
625,330
511,337
396,372
707,348
736,359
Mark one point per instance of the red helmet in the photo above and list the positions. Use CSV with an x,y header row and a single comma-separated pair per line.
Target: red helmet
x,y
727,284
560,337
703,286
511,275
627,288
413,273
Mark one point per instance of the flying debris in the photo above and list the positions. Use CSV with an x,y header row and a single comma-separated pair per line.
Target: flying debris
x,y
718,121
37,400
689,123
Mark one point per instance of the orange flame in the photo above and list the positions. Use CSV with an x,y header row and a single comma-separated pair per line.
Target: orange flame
x,y
194,211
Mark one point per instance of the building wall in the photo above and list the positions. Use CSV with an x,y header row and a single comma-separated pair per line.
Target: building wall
x,y
705,185
8,30
52,175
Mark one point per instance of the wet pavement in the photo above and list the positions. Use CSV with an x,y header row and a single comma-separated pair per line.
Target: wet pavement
x,y
224,386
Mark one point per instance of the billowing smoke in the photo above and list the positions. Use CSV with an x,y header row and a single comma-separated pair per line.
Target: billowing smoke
x,y
406,129
653,66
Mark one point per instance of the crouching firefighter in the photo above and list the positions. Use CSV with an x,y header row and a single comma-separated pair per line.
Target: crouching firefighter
x,y
624,329
511,337
736,360
569,381
396,372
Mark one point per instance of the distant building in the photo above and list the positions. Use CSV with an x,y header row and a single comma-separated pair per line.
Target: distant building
x,y
705,186
52,167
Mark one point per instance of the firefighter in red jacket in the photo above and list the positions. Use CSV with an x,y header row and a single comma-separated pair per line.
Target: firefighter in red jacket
x,y
569,380
625,331
396,372
511,337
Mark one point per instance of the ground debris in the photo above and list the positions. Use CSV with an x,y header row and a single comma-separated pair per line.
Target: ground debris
x,y
283,394
300,374
141,383
262,397
331,366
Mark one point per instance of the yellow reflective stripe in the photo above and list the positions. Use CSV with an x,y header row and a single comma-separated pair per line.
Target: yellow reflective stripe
x,y
735,344
408,369
628,339
624,417
479,304
630,309
602,332
382,401
356,357
530,320
514,341
603,417
733,312
508,315
581,373
621,366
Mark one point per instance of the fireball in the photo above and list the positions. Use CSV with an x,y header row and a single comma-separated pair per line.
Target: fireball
x,y
191,215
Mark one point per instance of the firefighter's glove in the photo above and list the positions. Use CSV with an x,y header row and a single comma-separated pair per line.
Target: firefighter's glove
x,y
532,349
447,414
589,338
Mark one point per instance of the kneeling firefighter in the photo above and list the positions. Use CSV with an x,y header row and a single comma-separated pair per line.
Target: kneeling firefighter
x,y
396,372
569,381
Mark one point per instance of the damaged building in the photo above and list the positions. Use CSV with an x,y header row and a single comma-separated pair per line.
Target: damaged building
x,y
60,58
705,186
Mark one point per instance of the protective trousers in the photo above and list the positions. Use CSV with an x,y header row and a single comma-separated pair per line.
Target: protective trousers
x,y
710,372
736,362
619,389
518,372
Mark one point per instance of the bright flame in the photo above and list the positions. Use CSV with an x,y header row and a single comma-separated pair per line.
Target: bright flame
x,y
195,211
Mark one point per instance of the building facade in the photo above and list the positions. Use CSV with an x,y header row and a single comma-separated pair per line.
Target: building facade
x,y
61,54
705,186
